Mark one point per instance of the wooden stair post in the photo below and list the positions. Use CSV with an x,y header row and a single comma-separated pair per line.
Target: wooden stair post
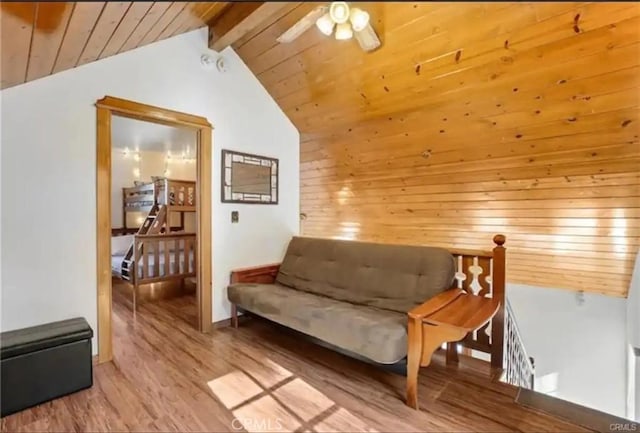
x,y
499,289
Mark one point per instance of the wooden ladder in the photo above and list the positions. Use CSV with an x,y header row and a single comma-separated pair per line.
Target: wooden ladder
x,y
153,224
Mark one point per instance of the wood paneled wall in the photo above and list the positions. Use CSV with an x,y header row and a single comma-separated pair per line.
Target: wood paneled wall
x,y
473,119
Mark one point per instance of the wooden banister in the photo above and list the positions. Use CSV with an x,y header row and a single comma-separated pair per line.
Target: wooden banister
x,y
165,236
499,275
483,273
179,195
153,254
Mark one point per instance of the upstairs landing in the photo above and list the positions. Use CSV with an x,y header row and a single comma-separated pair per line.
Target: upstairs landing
x,y
167,377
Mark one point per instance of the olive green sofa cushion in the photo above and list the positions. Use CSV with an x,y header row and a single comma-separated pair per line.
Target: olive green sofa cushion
x,y
354,295
379,335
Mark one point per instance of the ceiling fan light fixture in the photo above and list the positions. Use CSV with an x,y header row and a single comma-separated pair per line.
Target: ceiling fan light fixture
x,y
359,19
344,32
367,38
339,12
325,24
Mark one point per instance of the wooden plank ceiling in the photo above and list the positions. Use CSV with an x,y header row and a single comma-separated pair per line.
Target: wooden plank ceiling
x,y
472,119
41,38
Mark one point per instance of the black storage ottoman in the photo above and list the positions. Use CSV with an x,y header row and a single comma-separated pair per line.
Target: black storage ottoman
x,y
44,362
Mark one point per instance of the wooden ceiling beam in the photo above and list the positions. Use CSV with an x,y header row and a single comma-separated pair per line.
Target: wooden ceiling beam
x,y
238,20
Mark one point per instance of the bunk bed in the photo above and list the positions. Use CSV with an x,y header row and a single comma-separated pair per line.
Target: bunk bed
x,y
156,252
140,198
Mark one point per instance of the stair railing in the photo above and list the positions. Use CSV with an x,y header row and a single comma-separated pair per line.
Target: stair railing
x,y
519,368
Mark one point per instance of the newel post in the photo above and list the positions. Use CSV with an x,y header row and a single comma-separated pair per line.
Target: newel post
x,y
499,283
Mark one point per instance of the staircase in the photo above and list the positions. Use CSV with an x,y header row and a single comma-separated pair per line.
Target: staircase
x,y
153,224
519,368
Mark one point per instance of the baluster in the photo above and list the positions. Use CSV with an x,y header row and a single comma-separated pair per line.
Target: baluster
x,y
187,247
519,367
176,257
134,270
488,331
485,265
472,285
156,258
475,271
167,260
181,196
145,260
489,280
460,276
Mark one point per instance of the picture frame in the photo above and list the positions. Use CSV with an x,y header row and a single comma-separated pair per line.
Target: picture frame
x,y
248,178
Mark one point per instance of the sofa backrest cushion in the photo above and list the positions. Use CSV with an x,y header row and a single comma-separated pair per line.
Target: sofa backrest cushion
x,y
391,277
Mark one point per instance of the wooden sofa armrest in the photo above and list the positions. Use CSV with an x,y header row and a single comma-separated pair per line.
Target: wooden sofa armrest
x,y
265,274
448,317
456,308
434,304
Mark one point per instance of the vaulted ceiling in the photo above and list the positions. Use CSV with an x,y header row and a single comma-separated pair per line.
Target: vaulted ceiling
x,y
42,38
471,119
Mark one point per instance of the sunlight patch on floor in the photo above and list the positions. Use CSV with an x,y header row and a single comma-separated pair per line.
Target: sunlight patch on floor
x,y
303,399
234,388
268,398
268,373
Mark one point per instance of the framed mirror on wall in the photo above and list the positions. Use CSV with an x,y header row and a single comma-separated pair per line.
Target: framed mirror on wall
x,y
249,178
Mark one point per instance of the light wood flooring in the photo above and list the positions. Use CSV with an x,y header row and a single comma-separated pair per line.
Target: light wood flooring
x,y
168,377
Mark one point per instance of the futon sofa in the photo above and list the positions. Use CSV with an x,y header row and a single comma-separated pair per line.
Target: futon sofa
x,y
353,295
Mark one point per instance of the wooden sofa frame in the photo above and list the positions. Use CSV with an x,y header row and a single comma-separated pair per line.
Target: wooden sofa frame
x,y
470,314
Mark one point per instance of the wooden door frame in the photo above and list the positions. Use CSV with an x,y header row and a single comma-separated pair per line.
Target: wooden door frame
x,y
106,108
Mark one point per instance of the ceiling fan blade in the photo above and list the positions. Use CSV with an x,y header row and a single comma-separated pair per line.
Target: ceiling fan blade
x,y
302,25
367,38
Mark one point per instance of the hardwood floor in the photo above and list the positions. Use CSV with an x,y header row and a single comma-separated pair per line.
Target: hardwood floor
x,y
168,377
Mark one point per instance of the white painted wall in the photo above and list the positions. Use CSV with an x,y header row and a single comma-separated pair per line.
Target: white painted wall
x,y
1,309
579,350
48,172
633,346
633,306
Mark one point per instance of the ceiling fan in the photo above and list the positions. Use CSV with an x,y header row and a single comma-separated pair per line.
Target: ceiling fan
x,y
347,21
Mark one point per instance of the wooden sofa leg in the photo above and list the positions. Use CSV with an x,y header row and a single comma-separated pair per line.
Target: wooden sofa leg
x,y
452,353
421,349
414,355
234,316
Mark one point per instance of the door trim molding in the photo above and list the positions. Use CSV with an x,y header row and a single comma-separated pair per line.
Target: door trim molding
x,y
105,109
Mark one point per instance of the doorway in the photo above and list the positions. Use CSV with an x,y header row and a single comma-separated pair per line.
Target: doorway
x,y
107,107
